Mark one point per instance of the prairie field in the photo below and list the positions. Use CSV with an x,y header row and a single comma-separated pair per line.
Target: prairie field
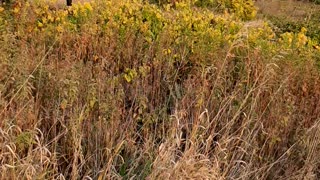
x,y
157,89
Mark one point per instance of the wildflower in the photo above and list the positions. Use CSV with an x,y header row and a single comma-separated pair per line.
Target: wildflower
x,y
167,51
144,28
59,29
158,15
148,39
16,10
44,20
82,9
302,39
50,18
40,24
88,6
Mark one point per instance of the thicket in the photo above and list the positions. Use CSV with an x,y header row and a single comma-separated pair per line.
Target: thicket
x,y
126,89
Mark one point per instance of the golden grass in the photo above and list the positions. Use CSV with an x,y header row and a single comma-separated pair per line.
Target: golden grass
x,y
227,102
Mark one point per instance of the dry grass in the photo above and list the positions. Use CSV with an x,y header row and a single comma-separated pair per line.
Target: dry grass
x,y
67,112
289,9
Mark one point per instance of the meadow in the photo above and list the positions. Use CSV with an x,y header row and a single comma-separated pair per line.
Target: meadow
x,y
137,89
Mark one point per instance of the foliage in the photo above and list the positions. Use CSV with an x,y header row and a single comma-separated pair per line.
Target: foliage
x,y
284,25
127,89
243,9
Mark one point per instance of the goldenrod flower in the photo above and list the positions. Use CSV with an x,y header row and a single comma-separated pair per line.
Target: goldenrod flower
x,y
40,24
50,18
88,6
59,29
167,51
44,20
16,10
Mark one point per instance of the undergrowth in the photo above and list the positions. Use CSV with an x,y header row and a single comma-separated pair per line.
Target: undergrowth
x,y
135,90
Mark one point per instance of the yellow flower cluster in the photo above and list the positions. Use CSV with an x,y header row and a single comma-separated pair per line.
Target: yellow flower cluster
x,y
302,39
295,40
81,10
182,25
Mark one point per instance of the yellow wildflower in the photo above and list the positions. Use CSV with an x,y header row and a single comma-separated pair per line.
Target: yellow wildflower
x,y
302,39
44,20
82,9
158,15
144,27
50,18
303,30
59,29
88,6
167,51
40,24
58,19
16,10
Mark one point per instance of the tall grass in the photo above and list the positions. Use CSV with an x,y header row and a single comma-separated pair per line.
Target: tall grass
x,y
129,90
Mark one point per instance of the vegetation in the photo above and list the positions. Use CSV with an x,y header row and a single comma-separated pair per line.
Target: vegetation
x,y
291,17
130,89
